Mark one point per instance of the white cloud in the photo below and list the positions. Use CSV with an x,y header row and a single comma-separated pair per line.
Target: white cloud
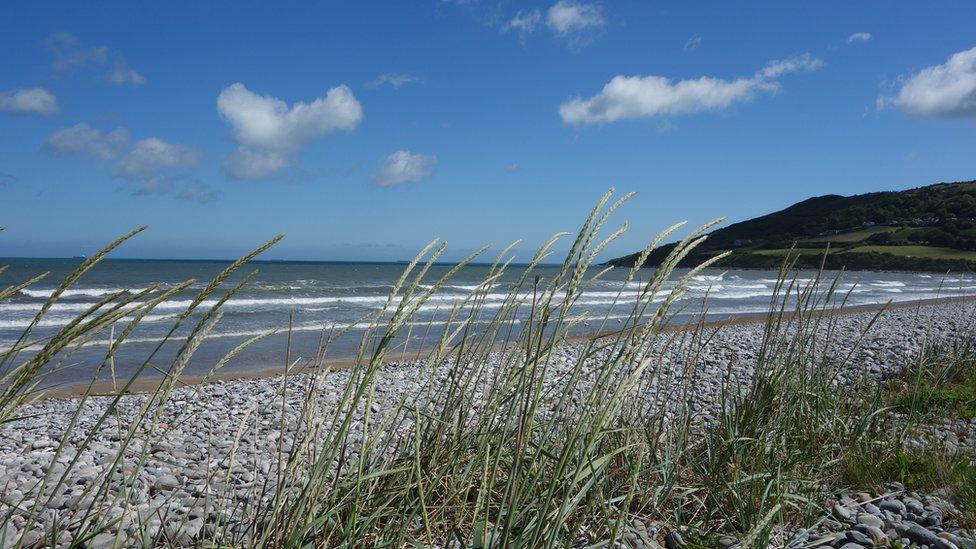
x,y
523,23
270,133
626,97
246,163
394,79
154,155
28,101
694,42
567,17
84,140
940,91
154,164
265,122
575,21
71,54
779,67
859,37
122,74
404,167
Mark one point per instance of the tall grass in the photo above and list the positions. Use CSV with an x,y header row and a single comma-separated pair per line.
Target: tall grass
x,y
516,432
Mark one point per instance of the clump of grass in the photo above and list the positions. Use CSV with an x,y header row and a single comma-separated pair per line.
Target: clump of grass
x,y
770,458
941,381
938,385
926,469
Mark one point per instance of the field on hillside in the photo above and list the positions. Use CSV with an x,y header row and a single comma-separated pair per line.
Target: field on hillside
x,y
854,236
934,252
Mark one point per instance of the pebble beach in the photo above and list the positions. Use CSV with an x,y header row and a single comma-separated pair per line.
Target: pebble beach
x,y
232,436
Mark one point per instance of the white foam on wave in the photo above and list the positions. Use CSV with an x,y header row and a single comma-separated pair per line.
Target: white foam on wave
x,y
59,321
79,292
462,287
751,287
743,294
888,283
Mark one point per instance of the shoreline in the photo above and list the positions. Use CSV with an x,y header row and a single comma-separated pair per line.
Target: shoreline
x,y
103,388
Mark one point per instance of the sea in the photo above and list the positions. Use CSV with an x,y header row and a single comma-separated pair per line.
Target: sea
x,y
304,302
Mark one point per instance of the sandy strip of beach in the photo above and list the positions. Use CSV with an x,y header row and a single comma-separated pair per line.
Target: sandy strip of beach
x,y
151,383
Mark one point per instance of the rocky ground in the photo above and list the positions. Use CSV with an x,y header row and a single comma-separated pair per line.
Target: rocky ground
x,y
895,518
230,437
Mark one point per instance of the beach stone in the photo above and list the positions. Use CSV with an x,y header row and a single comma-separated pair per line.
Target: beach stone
x,y
870,520
31,539
102,541
919,534
894,506
9,535
878,537
842,513
167,483
858,537
914,506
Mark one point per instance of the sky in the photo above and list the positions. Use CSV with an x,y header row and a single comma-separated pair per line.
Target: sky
x,y
362,130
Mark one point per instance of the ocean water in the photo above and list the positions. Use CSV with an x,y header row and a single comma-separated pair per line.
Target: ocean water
x,y
317,298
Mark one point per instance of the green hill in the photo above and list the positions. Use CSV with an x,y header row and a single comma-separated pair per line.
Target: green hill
x,y
930,228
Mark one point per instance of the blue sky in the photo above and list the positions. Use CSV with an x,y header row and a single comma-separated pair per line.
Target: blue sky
x,y
362,130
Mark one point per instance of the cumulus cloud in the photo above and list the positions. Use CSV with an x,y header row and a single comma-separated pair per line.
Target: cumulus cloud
x,y
265,122
394,79
85,140
71,54
153,155
404,167
694,42
627,97
28,101
940,91
568,17
270,133
859,37
155,165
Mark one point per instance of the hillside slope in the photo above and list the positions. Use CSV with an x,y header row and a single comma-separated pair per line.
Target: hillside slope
x,y
926,228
